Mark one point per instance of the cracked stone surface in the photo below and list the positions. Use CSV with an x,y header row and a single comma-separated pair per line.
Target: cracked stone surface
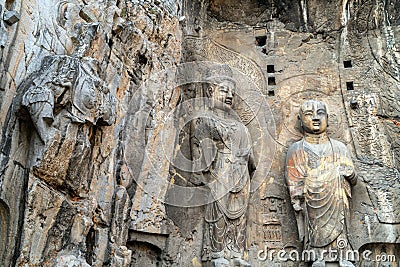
x,y
87,89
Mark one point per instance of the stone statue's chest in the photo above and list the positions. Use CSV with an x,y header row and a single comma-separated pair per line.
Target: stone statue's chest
x,y
319,156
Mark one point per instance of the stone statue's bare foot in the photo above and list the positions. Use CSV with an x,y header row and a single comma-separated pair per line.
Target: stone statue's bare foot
x,y
241,263
318,263
344,263
220,262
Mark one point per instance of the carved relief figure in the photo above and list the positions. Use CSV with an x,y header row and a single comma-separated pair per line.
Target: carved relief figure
x,y
319,174
223,145
64,81
63,95
46,89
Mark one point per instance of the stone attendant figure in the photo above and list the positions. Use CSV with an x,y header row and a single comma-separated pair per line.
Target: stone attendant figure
x,y
319,174
223,145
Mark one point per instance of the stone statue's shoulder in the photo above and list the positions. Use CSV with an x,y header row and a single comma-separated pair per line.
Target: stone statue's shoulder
x,y
37,94
338,144
294,149
295,146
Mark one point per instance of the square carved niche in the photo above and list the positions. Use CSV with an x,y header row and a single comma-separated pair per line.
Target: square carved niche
x,y
270,69
261,40
271,81
350,86
347,64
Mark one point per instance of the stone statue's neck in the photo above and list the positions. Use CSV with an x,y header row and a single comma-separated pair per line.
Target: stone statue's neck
x,y
316,138
222,112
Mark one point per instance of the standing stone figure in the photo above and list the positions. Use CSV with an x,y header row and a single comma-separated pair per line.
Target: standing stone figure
x,y
319,174
223,145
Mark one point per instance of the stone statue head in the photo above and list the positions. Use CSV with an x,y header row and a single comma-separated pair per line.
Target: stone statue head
x,y
313,117
220,86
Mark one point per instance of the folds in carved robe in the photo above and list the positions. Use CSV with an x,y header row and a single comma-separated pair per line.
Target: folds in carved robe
x,y
320,176
228,179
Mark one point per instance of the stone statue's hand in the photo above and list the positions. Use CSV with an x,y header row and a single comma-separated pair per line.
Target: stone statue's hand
x,y
352,179
297,205
198,179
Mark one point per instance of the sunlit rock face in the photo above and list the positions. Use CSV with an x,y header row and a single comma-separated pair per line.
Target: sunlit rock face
x,y
103,105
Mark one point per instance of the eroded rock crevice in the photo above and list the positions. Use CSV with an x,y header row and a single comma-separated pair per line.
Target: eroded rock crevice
x,y
102,134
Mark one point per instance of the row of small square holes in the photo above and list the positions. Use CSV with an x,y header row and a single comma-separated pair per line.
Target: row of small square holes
x,y
349,85
261,41
271,80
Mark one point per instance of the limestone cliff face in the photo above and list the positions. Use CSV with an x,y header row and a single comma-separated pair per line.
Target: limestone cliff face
x,y
86,90
70,73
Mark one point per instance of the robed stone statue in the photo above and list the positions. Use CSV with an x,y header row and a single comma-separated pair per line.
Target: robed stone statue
x,y
320,174
223,146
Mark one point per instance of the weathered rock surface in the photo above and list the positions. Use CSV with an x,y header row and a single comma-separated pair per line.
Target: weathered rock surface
x,y
95,105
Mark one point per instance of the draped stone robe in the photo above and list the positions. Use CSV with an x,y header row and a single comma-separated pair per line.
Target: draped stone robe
x,y
321,175
226,165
